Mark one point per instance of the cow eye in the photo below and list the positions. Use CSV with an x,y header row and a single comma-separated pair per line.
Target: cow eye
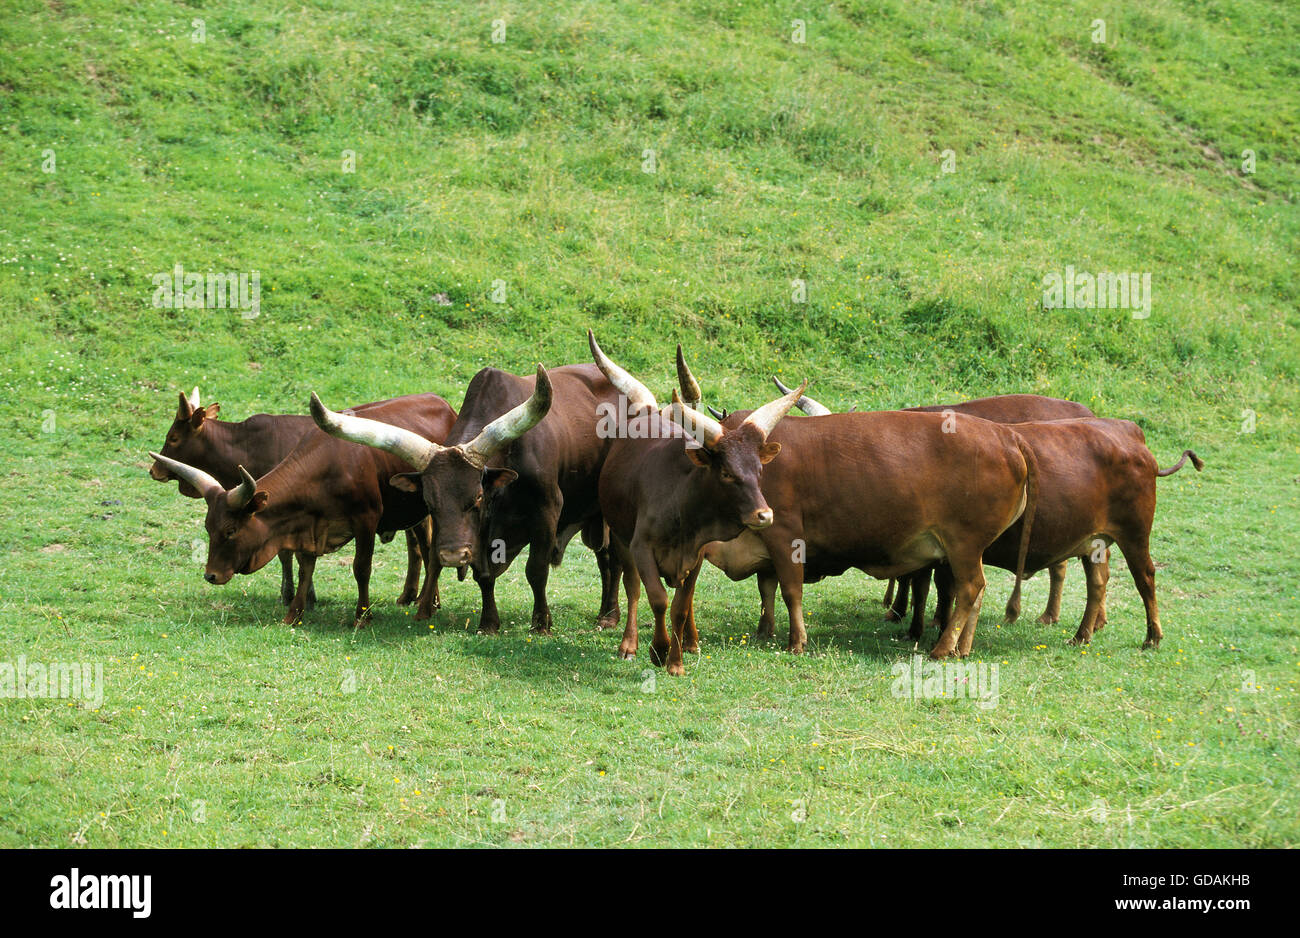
x,y
727,476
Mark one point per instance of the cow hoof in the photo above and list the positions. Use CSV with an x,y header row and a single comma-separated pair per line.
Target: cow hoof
x,y
627,654
407,597
909,636
606,622
938,654
658,655
422,614
1045,619
1079,640
795,649
1152,644
677,669
892,616
691,649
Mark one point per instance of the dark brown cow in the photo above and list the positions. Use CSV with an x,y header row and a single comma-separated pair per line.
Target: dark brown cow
x,y
1098,488
889,493
506,478
673,482
218,447
325,493
1003,408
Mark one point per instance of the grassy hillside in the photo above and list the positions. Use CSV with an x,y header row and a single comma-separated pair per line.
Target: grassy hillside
x,y
519,168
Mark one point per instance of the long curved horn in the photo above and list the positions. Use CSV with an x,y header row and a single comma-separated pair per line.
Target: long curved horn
x,y
639,398
767,416
718,414
705,429
242,493
513,424
809,406
413,448
208,486
691,393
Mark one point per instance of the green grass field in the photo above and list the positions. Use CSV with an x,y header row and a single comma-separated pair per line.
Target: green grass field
x,y
518,168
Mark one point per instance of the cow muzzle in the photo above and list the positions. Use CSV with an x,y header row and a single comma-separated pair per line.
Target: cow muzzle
x,y
760,519
158,473
454,558
216,579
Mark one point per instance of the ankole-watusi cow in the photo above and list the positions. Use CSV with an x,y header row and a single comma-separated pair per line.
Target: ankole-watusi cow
x,y
1003,408
518,468
1098,487
887,492
325,493
674,481
219,448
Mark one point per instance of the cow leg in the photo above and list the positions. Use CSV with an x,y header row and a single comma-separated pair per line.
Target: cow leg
x,y
429,599
542,547
790,575
596,535
889,596
899,607
306,564
968,593
692,641
1101,616
538,571
1138,556
610,568
767,596
1097,574
311,584
920,593
683,601
1012,612
943,596
1056,576
489,620
286,577
632,586
648,571
361,564
410,589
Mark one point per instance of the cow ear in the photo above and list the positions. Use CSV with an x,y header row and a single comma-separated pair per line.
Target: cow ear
x,y
498,478
212,410
258,502
196,418
767,452
699,455
406,481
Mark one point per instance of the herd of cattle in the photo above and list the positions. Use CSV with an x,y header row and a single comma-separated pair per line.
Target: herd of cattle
x,y
1018,481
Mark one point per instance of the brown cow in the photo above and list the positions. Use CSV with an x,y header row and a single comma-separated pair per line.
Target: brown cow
x,y
325,493
889,493
1003,408
218,447
1098,488
507,479
672,483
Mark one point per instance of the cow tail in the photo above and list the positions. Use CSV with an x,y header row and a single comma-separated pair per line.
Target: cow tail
x,y
1187,454
1031,505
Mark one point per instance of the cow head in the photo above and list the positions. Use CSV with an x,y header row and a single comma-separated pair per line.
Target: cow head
x,y
185,441
733,459
457,483
239,541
